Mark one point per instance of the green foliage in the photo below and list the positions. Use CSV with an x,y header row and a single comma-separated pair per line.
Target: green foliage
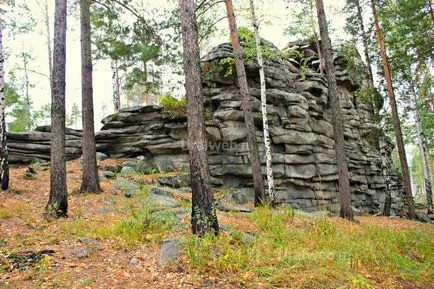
x,y
172,106
74,117
304,22
332,255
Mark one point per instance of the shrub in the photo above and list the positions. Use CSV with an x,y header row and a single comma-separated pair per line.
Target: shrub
x,y
172,106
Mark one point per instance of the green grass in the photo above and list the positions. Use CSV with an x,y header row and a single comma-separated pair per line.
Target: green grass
x,y
317,254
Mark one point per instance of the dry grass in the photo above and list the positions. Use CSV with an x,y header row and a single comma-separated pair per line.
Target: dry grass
x,y
283,251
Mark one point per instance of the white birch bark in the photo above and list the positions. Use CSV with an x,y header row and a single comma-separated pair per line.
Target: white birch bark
x,y
4,166
267,145
115,85
423,154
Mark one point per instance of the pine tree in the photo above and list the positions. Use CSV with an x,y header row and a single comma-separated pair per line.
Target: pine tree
x,y
258,182
395,117
203,215
58,202
341,154
90,179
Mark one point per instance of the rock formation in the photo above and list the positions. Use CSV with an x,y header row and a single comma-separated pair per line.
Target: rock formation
x,y
35,145
300,128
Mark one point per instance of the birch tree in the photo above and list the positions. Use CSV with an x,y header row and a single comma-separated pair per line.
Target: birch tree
x,y
267,145
423,154
258,182
116,85
4,165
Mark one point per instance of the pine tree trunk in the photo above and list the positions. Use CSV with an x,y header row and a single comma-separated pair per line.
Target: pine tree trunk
x,y
267,145
365,50
258,182
341,154
90,179
203,214
4,165
395,118
58,202
50,52
423,154
115,85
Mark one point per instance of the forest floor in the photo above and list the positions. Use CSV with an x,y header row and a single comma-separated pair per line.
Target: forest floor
x,y
110,241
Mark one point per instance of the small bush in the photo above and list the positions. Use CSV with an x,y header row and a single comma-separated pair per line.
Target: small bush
x,y
172,106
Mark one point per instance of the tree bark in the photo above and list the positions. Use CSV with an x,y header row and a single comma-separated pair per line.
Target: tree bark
x,y
203,214
365,50
50,52
423,154
58,202
27,96
341,154
115,85
267,145
258,182
4,165
90,179
395,117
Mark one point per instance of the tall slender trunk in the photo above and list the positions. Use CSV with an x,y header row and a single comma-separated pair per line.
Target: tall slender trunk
x,y
258,182
116,85
90,179
318,46
58,202
395,117
267,145
423,153
50,50
365,50
203,214
4,165
341,153
26,95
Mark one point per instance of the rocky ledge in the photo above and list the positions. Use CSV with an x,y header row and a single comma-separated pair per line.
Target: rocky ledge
x,y
301,132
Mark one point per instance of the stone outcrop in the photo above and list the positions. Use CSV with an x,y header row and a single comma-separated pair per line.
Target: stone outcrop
x,y
35,145
300,128
301,132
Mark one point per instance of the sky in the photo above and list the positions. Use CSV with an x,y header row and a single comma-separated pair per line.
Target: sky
x,y
274,14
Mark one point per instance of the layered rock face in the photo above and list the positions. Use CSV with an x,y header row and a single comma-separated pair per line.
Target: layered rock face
x,y
300,127
35,145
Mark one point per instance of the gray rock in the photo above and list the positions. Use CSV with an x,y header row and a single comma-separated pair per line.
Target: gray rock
x,y
127,171
161,191
423,217
431,216
231,208
177,181
101,156
109,174
241,196
133,261
79,252
248,238
127,188
90,241
162,201
108,201
169,251
166,165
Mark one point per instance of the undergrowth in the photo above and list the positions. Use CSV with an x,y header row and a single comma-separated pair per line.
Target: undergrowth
x,y
316,254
